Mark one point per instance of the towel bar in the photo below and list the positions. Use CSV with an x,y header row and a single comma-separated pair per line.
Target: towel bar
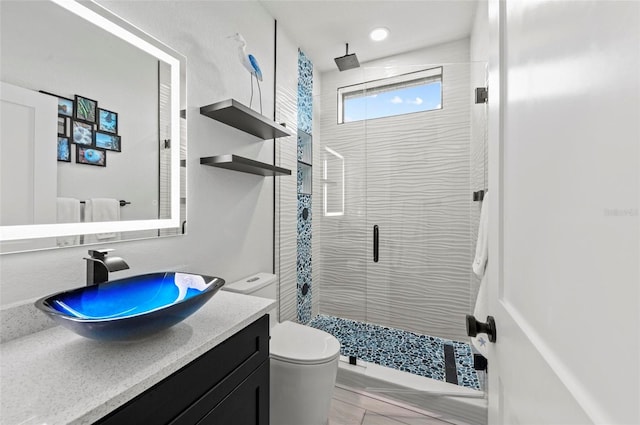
x,y
122,202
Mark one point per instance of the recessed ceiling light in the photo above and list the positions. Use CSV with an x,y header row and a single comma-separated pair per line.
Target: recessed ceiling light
x,y
379,34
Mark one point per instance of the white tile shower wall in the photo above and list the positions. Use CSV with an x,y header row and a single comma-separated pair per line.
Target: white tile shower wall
x,y
412,179
230,213
305,200
286,200
316,179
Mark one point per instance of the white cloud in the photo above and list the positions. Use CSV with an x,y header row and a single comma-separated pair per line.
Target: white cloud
x,y
417,101
396,100
439,105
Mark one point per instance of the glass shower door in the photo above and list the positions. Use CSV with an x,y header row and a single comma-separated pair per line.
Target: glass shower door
x,y
418,195
402,183
421,218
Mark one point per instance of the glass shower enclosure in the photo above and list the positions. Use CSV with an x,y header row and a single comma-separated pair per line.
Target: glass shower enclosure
x,y
395,227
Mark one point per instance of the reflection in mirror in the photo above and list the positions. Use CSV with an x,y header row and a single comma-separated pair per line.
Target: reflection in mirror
x,y
333,182
90,106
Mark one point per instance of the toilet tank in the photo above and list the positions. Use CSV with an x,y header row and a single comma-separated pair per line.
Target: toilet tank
x,y
258,285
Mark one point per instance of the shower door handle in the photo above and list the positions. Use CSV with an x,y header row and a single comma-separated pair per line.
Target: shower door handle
x,y
375,243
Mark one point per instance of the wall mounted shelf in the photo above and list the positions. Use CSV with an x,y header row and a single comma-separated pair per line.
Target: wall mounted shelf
x,y
245,165
235,114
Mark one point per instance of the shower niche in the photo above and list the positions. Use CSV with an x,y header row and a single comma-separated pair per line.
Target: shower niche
x,y
305,164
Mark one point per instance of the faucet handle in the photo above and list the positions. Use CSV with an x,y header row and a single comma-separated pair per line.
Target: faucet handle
x,y
100,253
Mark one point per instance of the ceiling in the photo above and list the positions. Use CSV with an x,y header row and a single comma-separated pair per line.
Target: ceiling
x,y
322,27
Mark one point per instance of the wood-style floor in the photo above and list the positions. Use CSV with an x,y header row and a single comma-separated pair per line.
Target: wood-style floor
x,y
353,407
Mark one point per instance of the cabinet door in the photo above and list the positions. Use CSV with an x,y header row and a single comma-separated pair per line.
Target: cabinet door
x,y
186,396
248,404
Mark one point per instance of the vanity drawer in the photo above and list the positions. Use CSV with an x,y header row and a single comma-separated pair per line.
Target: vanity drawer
x,y
248,404
225,367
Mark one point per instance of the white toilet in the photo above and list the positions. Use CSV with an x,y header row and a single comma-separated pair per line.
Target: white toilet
x,y
304,362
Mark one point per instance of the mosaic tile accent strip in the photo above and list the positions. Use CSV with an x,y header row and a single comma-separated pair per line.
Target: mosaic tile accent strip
x,y
406,351
304,258
305,93
303,262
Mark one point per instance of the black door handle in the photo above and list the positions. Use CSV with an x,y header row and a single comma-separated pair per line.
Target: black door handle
x,y
375,243
474,327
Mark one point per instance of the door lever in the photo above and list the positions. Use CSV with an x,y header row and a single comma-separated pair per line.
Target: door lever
x,y
474,327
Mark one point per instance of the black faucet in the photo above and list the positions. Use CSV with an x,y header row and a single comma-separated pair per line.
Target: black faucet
x,y
99,265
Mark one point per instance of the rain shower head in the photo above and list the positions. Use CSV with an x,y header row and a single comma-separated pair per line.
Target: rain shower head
x,y
348,61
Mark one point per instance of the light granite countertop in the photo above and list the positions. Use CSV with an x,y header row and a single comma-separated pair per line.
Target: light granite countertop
x,y
57,377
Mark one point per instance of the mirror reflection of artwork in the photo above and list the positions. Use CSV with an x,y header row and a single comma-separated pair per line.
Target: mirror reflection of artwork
x,y
62,126
65,107
107,121
64,149
86,109
91,156
108,141
82,133
78,59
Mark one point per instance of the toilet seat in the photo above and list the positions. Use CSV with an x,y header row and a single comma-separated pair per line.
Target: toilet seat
x,y
303,345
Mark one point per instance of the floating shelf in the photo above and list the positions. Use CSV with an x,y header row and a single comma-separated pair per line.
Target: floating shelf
x,y
245,165
235,114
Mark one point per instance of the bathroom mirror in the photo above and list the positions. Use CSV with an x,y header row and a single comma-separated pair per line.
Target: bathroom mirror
x,y
97,106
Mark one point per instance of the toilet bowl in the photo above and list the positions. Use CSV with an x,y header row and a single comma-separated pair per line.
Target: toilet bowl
x,y
303,362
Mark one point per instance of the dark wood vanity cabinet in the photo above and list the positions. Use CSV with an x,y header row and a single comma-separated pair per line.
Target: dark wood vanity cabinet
x,y
227,385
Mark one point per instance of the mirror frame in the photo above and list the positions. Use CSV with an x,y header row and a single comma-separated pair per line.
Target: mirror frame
x,y
122,29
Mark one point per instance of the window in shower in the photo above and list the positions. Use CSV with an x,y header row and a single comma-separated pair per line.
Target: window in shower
x,y
403,94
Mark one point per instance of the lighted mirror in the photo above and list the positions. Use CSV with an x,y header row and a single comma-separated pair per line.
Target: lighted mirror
x,y
91,134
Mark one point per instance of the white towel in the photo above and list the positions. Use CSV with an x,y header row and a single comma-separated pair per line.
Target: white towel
x,y
102,209
68,211
480,312
482,246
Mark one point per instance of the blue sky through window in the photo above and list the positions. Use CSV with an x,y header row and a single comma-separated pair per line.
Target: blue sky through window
x,y
404,100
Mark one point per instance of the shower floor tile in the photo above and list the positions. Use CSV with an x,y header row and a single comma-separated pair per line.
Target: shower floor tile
x,y
406,351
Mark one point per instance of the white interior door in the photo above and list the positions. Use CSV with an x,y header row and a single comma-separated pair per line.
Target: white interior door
x,y
564,187
28,128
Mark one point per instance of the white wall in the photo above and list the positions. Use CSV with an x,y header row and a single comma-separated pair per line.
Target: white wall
x,y
230,213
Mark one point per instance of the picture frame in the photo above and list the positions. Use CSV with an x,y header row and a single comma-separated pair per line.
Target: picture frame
x,y
107,121
91,156
63,126
82,133
64,149
65,107
85,109
107,141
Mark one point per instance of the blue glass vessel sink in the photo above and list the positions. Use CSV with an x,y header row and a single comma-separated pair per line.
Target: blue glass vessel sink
x,y
131,308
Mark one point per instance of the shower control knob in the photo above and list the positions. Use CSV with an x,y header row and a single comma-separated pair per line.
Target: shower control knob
x,y
474,327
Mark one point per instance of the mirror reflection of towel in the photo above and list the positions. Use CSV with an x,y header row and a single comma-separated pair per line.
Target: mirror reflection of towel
x,y
102,209
68,211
